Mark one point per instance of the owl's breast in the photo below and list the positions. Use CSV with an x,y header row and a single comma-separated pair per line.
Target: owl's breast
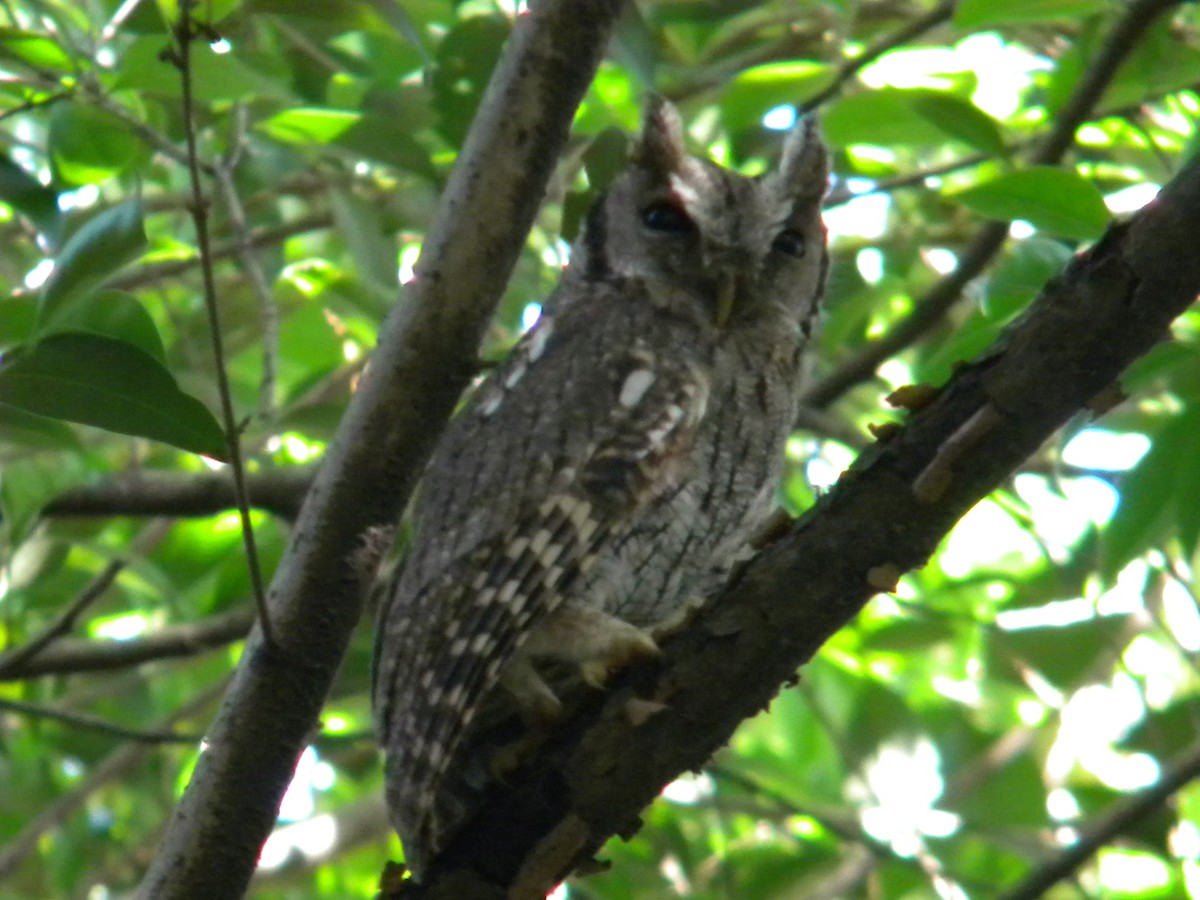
x,y
682,545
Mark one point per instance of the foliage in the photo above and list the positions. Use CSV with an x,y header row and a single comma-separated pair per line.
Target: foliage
x,y
950,741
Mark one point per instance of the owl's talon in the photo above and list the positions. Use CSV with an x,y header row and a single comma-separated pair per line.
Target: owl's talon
x,y
509,758
639,711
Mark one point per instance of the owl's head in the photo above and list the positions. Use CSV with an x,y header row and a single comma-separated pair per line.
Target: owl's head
x,y
739,246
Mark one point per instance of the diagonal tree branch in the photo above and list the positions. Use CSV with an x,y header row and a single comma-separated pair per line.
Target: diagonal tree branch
x,y
424,360
886,516
1120,817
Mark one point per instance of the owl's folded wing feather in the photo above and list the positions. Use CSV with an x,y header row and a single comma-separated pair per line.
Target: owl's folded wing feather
x,y
497,594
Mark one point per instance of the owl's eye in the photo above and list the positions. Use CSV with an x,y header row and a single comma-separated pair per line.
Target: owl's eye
x,y
789,241
667,218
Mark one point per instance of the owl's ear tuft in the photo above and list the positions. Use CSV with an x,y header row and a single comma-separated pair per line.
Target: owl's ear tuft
x,y
803,169
660,145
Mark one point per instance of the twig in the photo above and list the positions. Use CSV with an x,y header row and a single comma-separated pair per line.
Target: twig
x,y
14,660
851,67
840,195
112,767
17,659
1120,817
258,237
97,724
250,263
71,655
156,493
928,312
184,36
148,135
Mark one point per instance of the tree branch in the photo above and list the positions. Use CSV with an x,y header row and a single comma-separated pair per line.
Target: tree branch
x,y
885,516
903,35
1123,814
67,656
424,360
150,493
99,725
14,660
112,767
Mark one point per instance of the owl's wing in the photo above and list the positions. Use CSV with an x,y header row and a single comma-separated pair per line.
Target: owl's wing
x,y
501,591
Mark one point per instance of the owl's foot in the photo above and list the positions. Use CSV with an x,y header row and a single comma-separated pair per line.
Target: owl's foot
x,y
536,701
597,643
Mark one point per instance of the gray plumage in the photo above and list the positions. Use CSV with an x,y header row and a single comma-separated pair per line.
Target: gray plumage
x,y
607,472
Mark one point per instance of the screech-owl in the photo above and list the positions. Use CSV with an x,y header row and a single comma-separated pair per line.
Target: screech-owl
x,y
605,474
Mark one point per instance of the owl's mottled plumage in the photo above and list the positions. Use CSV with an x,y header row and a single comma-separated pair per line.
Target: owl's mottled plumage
x,y
608,471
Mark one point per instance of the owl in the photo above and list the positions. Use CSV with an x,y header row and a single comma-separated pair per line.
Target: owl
x,y
606,474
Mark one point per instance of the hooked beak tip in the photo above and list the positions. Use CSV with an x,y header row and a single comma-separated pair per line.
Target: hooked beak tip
x,y
726,292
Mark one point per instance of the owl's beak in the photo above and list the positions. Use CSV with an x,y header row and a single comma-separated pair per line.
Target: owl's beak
x,y
726,293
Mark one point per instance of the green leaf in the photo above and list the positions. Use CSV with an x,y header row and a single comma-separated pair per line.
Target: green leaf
x,y
978,14
909,635
1061,654
961,119
89,145
1151,491
18,316
1014,796
29,484
110,384
104,244
36,432
113,314
31,198
387,139
465,60
1161,62
882,117
1021,275
310,126
756,91
373,249
1053,200
35,50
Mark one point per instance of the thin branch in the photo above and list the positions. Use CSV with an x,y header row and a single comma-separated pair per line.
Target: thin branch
x,y
257,239
113,767
425,358
17,659
99,725
144,132
927,312
117,20
185,36
1122,815
901,36
14,660
154,493
251,264
71,655
841,194
932,308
